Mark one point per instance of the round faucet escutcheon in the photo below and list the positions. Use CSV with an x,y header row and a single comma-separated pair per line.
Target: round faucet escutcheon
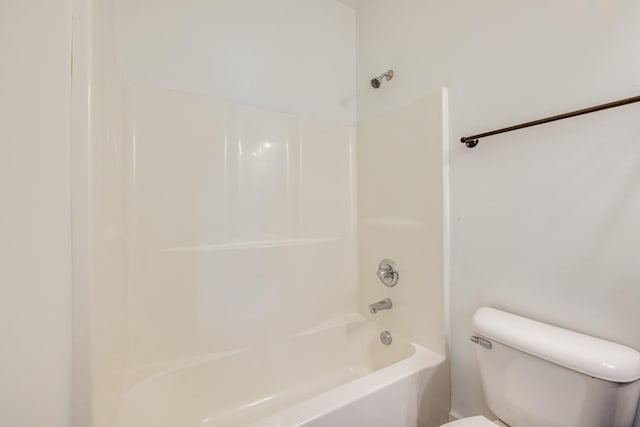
x,y
388,273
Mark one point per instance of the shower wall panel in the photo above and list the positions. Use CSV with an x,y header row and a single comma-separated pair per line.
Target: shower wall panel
x,y
401,211
243,226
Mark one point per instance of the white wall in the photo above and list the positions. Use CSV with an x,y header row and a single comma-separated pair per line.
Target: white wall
x,y
287,55
35,259
544,222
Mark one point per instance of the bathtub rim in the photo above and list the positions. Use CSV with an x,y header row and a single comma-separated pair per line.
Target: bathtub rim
x,y
332,400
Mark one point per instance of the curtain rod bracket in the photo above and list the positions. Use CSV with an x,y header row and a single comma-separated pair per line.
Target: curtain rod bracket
x,y
469,142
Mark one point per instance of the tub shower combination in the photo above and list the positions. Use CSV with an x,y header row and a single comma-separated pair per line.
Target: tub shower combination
x,y
239,301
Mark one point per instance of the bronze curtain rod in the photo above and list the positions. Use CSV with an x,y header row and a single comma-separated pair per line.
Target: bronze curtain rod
x,y
472,141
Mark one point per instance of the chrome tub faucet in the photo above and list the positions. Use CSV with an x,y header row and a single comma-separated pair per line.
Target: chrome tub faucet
x,y
385,304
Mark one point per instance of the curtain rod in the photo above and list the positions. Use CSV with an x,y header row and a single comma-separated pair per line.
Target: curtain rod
x,y
472,141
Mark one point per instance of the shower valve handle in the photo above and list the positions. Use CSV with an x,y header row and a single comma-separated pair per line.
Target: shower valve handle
x,y
385,273
388,272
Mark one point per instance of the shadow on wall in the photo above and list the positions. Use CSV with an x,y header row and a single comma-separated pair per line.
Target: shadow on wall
x,y
434,399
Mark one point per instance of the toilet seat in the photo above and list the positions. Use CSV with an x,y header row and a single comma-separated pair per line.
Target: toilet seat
x,y
477,421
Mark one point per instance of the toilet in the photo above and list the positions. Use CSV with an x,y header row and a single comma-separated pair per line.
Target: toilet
x,y
537,375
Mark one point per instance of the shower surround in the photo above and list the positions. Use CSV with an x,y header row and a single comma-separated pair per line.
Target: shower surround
x,y
240,235
216,203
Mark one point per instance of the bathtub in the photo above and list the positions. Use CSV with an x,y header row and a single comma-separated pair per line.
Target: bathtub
x,y
331,376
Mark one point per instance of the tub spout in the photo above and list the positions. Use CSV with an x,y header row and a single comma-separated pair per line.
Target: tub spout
x,y
385,304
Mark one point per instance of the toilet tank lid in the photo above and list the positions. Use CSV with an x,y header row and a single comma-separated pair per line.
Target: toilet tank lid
x,y
582,353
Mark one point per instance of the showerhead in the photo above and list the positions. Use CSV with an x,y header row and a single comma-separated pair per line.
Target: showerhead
x,y
376,82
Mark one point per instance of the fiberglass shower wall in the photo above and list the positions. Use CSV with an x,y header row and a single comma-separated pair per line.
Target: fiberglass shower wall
x,y
241,239
220,199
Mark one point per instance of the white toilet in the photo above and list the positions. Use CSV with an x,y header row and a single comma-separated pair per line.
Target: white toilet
x,y
538,375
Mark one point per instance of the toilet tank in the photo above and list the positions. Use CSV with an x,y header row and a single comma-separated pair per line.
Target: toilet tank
x,y
538,375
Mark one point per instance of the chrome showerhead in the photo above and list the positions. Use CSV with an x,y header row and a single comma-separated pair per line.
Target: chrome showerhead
x,y
376,82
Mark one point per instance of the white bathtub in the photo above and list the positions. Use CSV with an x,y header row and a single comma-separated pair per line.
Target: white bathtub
x,y
337,375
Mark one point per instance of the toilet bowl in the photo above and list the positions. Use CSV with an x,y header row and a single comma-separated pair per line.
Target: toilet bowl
x,y
538,375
